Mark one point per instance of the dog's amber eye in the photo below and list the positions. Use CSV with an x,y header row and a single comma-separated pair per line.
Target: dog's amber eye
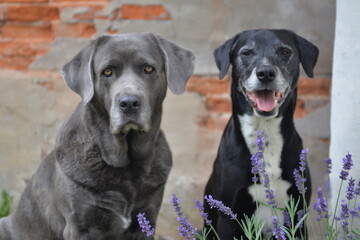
x,y
107,72
148,69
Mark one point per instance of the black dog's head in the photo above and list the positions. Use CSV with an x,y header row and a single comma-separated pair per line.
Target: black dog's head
x,y
266,66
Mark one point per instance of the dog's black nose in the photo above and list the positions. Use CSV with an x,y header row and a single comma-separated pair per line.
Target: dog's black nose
x,y
265,73
130,104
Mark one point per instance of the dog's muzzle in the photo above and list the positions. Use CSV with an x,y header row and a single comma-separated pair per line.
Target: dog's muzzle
x,y
265,97
129,113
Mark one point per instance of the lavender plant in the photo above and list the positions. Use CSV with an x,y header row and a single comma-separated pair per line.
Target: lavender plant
x,y
185,228
205,232
278,231
335,226
220,206
258,168
145,225
252,227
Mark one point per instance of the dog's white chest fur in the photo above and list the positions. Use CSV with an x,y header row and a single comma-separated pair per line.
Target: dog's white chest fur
x,y
250,125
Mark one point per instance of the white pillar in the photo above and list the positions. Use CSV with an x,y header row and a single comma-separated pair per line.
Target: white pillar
x,y
345,93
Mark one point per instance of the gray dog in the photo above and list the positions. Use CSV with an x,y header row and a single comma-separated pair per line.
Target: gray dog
x,y
111,160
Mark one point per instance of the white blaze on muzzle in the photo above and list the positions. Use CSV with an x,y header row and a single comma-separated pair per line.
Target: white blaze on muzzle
x,y
265,96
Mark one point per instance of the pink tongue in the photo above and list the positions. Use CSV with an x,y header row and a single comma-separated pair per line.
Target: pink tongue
x,y
265,100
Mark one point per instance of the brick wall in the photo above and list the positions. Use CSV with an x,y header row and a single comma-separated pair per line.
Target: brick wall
x,y
29,27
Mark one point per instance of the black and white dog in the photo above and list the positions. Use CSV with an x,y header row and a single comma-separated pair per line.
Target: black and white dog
x,y
265,72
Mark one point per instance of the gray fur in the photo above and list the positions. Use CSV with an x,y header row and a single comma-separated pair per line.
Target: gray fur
x,y
105,169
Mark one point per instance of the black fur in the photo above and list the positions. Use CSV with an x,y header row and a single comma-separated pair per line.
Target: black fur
x,y
231,176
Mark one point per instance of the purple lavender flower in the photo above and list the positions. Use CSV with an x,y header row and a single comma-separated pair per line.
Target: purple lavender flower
x,y
344,174
350,190
200,206
256,158
258,168
278,231
321,205
328,163
185,229
145,225
287,220
298,173
260,141
300,181
344,215
220,206
303,159
357,189
266,180
347,164
300,215
254,179
270,195
255,163
355,212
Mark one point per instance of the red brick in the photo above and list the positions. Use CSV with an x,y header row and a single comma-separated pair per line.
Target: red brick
x,y
314,86
215,122
24,1
27,31
2,13
75,30
48,85
218,103
16,62
144,12
208,85
110,31
77,1
300,109
16,49
91,13
41,48
32,13
23,48
115,14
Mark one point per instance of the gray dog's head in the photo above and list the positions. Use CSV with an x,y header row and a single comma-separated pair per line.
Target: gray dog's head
x,y
265,66
128,75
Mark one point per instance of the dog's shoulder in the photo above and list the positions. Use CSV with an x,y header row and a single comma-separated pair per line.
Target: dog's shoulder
x,y
72,130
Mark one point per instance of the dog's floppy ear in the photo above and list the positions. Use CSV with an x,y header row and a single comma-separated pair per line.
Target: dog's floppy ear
x,y
179,64
78,73
308,54
222,56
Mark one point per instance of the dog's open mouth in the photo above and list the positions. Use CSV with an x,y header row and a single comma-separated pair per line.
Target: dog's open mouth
x,y
265,100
